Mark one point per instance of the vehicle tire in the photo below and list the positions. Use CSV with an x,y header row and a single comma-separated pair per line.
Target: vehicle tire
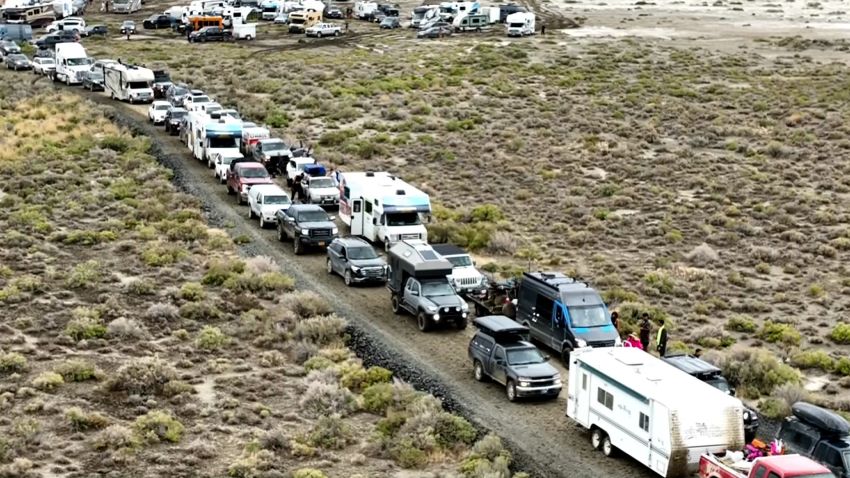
x,y
386,245
565,356
262,223
347,278
608,447
336,33
596,437
297,248
250,213
281,234
510,391
423,322
478,371
249,37
460,323
318,34
395,304
330,267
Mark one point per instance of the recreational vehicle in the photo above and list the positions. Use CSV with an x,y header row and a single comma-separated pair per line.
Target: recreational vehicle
x,y
34,15
471,22
659,415
128,82
301,20
423,14
520,24
126,6
208,136
382,207
451,10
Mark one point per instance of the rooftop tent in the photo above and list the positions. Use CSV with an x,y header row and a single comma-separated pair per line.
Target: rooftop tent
x,y
315,170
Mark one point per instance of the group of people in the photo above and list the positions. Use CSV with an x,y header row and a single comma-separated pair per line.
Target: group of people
x,y
642,340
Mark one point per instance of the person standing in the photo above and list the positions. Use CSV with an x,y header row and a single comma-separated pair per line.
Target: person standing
x,y
542,28
645,330
615,320
661,339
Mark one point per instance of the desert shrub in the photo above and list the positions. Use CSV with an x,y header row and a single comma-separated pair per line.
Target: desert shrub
x,y
659,281
219,271
357,378
85,328
791,393
331,432
161,254
251,464
265,282
322,399
755,372
308,473
377,398
318,363
776,332
741,323
503,242
19,468
818,359
158,426
162,311
142,287
487,213
12,362
81,421
452,430
630,312
125,328
200,311
773,408
307,304
192,291
322,330
407,454
211,338
842,366
840,334
143,376
77,371
47,381
115,437
84,275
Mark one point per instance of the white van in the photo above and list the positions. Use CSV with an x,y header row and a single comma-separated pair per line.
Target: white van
x,y
520,24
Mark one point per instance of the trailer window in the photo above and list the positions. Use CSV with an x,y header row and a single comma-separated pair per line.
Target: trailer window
x,y
356,205
605,398
644,422
368,207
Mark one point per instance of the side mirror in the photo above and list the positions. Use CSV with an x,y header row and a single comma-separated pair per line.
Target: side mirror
x,y
546,358
413,292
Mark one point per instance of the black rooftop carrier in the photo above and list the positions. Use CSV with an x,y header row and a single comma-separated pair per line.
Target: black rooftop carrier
x,y
827,421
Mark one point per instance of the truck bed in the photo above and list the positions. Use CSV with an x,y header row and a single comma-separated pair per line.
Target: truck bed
x,y
714,466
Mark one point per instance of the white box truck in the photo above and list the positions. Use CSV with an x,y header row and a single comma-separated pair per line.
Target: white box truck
x,y
520,24
659,415
128,82
71,61
382,208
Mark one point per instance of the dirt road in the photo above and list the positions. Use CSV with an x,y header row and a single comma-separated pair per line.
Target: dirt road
x,y
547,444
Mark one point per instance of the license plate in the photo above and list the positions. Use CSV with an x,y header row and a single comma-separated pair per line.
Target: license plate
x,y
322,243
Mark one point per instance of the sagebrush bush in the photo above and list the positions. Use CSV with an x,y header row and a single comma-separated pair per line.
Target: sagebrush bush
x,y
307,304
142,287
817,359
162,311
85,328
158,426
192,291
321,330
200,311
77,371
12,362
125,328
211,338
841,334
266,282
143,376
331,432
791,393
782,333
81,421
773,408
356,378
741,323
219,271
47,381
115,437
84,275
755,372
308,473
322,399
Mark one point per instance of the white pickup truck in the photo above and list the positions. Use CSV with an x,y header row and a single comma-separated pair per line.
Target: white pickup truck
x,y
265,200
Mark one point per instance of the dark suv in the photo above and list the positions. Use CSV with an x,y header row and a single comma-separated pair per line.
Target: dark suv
x,y
209,34
155,22
819,434
713,376
173,119
356,261
499,350
563,313
307,225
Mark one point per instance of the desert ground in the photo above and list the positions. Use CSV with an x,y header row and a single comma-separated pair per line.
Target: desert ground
x,y
685,158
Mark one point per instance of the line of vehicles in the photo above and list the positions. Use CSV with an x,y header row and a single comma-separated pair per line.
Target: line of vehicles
x,y
675,415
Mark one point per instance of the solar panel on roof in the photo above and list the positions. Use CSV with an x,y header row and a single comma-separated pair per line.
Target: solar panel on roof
x,y
429,255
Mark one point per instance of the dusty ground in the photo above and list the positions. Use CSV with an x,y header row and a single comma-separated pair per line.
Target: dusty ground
x,y
135,342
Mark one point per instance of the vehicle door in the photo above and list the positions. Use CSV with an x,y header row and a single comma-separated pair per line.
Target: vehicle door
x,y
357,217
830,457
560,326
500,365
289,225
339,257
412,293
258,204
370,221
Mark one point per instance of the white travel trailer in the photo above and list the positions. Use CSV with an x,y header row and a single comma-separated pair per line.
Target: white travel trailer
x,y
126,6
520,24
128,82
71,62
382,208
364,10
451,10
659,415
471,22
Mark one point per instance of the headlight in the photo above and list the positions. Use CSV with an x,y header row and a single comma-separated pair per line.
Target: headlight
x,y
557,381
445,309
334,231
355,269
436,317
746,414
524,384
464,315
305,232
581,343
457,309
431,309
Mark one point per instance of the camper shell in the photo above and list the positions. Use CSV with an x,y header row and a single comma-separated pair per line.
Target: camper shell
x,y
633,402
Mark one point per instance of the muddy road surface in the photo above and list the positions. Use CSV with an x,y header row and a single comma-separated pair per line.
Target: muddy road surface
x,y
546,442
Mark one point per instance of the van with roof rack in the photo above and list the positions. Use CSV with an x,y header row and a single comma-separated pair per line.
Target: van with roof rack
x,y
564,314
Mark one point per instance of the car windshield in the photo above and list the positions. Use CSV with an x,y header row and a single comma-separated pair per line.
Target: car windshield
x,y
254,172
720,384
322,183
403,219
460,261
178,91
177,114
592,316
389,20
138,85
200,99
128,24
312,216
360,253
225,143
79,61
437,289
273,146
276,200
231,113
17,57
525,357
47,61
226,160
162,107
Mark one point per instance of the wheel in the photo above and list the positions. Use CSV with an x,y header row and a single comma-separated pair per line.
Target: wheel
x,y
249,37
318,34
330,266
262,223
281,235
394,304
67,79
565,356
347,278
425,324
386,244
608,447
460,323
250,213
336,33
510,391
297,248
478,371
596,437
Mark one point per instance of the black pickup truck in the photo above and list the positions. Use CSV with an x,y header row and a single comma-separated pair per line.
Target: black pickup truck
x,y
308,225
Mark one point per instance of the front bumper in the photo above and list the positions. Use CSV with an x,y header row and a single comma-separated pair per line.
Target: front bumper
x,y
551,390
316,241
362,276
331,201
443,316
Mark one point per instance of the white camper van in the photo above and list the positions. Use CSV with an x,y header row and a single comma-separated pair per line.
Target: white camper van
x,y
382,207
71,62
520,24
126,6
128,82
644,407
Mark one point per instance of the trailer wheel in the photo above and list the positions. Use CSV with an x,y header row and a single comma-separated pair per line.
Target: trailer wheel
x,y
608,447
596,437
394,303
424,323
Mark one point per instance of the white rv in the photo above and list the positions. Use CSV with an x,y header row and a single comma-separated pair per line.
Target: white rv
x,y
465,22
659,415
364,10
126,6
128,82
423,14
208,136
71,62
520,24
382,207
451,10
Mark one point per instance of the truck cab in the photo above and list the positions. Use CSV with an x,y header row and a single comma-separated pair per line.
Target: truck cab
x,y
418,285
500,351
71,62
564,314
464,277
820,434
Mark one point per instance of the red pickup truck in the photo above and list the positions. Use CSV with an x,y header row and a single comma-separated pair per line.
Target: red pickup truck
x,y
244,175
779,466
